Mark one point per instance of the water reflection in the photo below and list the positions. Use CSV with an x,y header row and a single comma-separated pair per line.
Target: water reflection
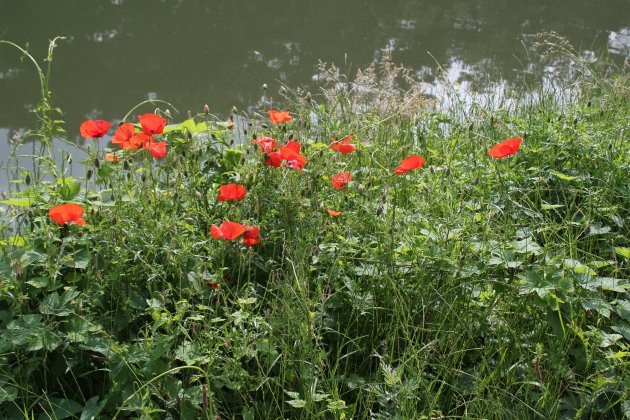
x,y
192,52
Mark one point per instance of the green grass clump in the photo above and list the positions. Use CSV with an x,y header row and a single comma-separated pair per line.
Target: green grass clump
x,y
472,287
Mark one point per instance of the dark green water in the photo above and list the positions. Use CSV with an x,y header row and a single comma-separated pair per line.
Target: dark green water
x,y
192,52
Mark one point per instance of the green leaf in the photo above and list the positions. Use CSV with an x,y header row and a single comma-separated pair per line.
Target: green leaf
x,y
62,408
550,206
337,405
18,202
598,229
527,246
8,393
69,190
624,252
232,159
563,176
14,241
39,282
599,305
92,409
297,403
577,267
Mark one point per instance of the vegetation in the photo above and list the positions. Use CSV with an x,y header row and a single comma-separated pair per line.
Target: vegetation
x,y
462,285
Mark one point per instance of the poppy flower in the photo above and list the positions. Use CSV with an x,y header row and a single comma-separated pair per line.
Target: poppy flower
x,y
252,235
505,148
291,153
343,146
67,213
340,180
112,158
230,124
231,192
152,124
266,144
278,117
94,128
333,213
274,159
213,284
157,149
408,164
122,136
228,230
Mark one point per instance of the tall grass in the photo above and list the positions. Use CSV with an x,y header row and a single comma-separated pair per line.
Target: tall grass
x,y
470,288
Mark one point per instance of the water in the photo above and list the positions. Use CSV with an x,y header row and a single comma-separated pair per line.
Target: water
x,y
192,52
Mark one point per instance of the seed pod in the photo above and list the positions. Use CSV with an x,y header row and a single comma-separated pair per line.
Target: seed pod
x,y
291,136
88,174
263,125
206,109
245,131
27,179
97,163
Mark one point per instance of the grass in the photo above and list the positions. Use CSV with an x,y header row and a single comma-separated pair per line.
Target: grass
x,y
470,288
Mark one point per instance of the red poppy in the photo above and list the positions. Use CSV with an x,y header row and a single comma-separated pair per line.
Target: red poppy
x,y
231,192
340,180
228,230
112,158
505,148
252,235
213,284
266,144
94,128
291,153
122,136
274,159
333,213
67,213
157,149
152,124
343,146
278,117
230,124
408,164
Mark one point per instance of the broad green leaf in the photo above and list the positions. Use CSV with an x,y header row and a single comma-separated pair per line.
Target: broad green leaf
x,y
337,405
598,229
69,190
232,159
39,282
92,408
577,266
62,408
8,393
599,305
624,252
527,246
297,403
14,241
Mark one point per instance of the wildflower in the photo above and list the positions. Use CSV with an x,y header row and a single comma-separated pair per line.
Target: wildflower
x,y
343,146
94,128
157,149
126,138
152,124
291,153
231,192
228,230
252,235
266,144
213,284
112,158
278,117
505,148
333,213
230,124
274,159
340,180
408,164
67,213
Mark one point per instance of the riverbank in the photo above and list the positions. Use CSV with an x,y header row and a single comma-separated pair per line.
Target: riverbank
x,y
368,254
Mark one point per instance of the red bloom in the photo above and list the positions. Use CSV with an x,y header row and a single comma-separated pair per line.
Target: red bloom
x,y
408,164
278,117
252,235
340,180
123,134
266,144
231,192
67,213
152,124
112,158
228,230
333,213
291,153
94,128
505,148
274,159
230,124
343,146
213,284
157,149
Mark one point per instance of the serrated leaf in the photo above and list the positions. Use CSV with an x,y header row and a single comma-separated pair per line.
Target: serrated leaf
x,y
597,229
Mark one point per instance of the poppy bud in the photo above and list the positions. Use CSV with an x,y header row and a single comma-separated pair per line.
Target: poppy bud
x,y
254,136
234,110
291,136
492,120
168,113
448,171
143,177
126,165
264,125
284,128
471,126
69,159
308,96
245,131
213,136
189,135
575,121
110,185
476,181
361,188
88,174
175,196
206,109
97,163
27,179
129,176
588,104
264,86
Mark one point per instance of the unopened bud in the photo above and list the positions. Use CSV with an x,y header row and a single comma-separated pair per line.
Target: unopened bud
x,y
264,86
168,113
291,136
263,125
126,165
69,159
309,98
97,163
206,109
234,110
27,179
88,174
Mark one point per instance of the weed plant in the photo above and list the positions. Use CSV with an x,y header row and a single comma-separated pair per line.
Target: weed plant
x,y
472,287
